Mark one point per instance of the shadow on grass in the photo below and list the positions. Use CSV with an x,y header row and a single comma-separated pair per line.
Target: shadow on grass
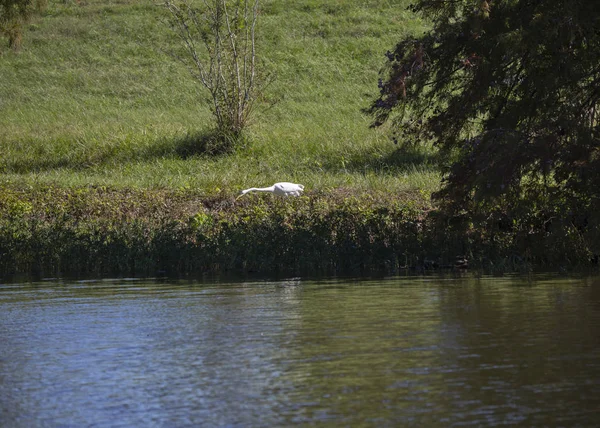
x,y
402,160
209,143
53,156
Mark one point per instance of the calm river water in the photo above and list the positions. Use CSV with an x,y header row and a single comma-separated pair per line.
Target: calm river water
x,y
393,352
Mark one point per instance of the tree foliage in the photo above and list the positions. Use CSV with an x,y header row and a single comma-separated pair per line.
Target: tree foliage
x,y
509,92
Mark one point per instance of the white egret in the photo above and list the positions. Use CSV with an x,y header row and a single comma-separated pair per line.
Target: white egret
x,y
279,189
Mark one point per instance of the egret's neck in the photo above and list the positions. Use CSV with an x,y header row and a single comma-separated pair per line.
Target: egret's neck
x,y
259,189
263,189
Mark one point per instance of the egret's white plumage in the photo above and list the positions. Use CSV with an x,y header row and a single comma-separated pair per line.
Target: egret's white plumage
x,y
279,189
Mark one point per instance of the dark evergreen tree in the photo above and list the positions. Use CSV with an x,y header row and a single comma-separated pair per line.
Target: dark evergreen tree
x,y
509,91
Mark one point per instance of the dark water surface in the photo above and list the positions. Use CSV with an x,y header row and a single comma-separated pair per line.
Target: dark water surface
x,y
393,352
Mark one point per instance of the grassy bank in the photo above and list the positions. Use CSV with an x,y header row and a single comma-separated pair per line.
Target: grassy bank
x,y
94,98
98,231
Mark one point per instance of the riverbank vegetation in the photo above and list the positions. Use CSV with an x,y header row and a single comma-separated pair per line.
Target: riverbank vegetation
x,y
109,164
47,230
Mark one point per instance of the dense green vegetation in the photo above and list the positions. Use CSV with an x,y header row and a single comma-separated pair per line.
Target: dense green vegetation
x,y
48,230
94,230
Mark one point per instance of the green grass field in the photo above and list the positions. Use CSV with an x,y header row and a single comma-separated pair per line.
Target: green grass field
x,y
92,98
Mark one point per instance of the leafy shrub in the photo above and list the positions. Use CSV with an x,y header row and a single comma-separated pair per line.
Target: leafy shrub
x,y
219,50
14,14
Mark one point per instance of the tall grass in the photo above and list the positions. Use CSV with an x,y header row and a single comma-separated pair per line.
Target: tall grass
x,y
94,98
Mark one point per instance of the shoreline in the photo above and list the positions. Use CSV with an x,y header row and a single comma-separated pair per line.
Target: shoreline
x,y
97,231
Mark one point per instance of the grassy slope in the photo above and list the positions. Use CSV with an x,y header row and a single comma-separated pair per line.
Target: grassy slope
x,y
93,99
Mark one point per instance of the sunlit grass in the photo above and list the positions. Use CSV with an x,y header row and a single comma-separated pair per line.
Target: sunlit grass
x,y
92,98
